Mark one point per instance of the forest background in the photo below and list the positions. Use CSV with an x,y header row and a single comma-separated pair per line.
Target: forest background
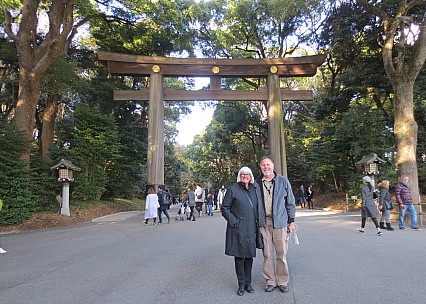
x,y
56,96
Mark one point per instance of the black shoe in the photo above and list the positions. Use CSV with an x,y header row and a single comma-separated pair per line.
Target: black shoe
x,y
283,288
249,288
269,288
240,291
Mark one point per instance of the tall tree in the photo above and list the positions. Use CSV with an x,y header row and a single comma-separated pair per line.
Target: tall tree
x,y
38,48
404,54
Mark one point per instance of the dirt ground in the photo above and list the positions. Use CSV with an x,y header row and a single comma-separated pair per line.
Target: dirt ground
x,y
46,220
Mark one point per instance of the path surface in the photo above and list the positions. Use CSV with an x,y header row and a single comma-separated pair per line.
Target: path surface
x,y
119,260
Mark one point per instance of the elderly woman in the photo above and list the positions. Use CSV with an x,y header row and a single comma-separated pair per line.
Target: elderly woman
x,y
239,208
369,208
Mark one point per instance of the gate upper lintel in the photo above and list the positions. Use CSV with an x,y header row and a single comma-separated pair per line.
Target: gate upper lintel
x,y
137,65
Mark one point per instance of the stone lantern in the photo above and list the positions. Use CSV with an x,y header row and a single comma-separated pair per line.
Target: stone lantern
x,y
65,175
371,165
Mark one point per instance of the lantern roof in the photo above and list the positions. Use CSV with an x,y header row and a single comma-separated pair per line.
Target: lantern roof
x,y
65,164
368,159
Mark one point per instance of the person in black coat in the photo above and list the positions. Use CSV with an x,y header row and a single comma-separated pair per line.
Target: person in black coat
x,y
239,208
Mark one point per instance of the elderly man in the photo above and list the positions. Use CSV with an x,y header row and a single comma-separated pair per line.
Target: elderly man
x,y
276,219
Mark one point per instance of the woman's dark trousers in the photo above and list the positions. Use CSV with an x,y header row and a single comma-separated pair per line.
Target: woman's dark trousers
x,y
243,270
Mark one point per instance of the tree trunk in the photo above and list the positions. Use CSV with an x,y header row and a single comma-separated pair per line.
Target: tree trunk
x,y
28,97
406,134
48,127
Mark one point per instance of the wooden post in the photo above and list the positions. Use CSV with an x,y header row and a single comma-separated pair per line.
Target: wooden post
x,y
156,132
215,83
275,125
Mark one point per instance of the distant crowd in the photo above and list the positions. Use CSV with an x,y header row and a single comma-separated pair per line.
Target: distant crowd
x,y
195,199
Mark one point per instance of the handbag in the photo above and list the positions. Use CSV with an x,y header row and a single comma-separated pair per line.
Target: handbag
x,y
388,205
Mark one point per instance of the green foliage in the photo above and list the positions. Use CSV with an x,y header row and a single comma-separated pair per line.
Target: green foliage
x,y
256,29
15,179
147,27
127,175
93,146
234,138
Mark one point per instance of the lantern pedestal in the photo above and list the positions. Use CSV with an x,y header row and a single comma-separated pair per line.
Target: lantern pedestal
x,y
65,208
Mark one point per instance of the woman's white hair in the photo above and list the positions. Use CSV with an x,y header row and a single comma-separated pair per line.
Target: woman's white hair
x,y
245,170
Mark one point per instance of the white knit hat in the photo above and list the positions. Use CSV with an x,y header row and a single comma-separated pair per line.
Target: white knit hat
x,y
366,179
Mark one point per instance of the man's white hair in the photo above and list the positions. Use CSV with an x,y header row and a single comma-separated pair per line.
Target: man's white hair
x,y
245,170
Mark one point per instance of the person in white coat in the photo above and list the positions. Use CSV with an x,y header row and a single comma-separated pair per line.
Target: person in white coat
x,y
220,195
151,206
199,199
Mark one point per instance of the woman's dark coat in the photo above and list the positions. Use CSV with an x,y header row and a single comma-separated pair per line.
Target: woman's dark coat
x,y
241,219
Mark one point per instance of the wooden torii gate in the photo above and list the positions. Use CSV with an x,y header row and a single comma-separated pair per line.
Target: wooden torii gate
x,y
156,68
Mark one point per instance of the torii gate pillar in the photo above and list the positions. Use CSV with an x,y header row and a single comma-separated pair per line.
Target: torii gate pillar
x,y
155,176
276,126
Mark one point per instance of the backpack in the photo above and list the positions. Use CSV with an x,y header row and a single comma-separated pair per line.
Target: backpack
x,y
166,198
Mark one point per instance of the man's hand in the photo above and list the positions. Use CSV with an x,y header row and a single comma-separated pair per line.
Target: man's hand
x,y
291,227
401,206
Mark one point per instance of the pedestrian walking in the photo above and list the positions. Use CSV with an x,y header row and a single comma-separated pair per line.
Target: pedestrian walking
x,y
151,206
385,205
220,195
405,202
301,196
368,208
164,201
199,199
190,199
309,196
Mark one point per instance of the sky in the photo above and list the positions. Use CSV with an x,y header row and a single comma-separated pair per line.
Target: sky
x,y
196,122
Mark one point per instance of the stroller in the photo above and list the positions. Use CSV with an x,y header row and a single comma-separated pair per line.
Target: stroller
x,y
181,212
